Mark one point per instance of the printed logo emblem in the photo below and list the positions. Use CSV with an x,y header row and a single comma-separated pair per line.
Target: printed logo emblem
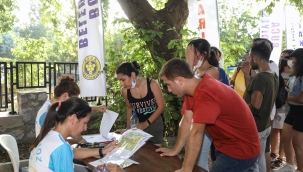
x,y
91,67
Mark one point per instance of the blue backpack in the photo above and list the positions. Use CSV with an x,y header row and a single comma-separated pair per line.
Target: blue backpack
x,y
223,76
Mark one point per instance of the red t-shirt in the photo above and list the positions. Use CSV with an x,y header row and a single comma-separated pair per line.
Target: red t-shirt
x,y
229,120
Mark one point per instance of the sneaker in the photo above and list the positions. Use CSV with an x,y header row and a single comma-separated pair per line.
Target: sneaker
x,y
286,168
277,163
273,156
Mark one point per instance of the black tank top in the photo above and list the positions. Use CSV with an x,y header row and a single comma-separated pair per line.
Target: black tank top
x,y
145,106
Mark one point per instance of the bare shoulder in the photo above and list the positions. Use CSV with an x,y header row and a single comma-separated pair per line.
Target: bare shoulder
x,y
214,72
154,83
124,91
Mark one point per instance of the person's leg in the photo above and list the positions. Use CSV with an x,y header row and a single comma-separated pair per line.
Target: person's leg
x,y
260,164
274,140
267,153
226,163
298,146
279,161
287,136
262,159
202,160
281,148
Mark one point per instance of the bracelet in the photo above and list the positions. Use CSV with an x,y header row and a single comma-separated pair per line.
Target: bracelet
x,y
101,152
148,122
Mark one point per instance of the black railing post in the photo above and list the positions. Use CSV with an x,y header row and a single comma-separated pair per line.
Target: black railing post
x,y
12,112
105,98
50,80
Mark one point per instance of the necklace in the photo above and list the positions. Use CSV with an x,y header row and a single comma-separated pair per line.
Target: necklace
x,y
209,67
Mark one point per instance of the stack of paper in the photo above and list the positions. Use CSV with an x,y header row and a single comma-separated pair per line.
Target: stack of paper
x,y
130,141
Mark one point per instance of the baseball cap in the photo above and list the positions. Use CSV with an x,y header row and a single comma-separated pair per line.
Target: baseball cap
x,y
297,53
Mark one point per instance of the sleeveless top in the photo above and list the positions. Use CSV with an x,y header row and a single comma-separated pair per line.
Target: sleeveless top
x,y
145,106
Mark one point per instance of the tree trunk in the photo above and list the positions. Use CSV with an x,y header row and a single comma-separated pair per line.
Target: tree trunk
x,y
173,16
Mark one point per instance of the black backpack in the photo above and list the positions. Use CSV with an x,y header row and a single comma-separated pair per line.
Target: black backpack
x,y
282,93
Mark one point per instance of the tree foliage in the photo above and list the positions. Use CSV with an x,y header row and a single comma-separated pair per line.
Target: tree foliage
x,y
154,32
269,7
6,44
6,15
238,26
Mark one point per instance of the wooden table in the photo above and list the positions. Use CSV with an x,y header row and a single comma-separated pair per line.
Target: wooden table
x,y
150,161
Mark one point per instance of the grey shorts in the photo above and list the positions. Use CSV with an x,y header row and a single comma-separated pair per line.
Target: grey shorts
x,y
156,129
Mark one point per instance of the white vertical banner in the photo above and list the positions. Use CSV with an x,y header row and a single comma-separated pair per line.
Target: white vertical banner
x,y
203,19
293,27
91,53
271,28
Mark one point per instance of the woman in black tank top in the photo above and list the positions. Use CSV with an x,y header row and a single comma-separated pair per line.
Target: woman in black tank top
x,y
143,95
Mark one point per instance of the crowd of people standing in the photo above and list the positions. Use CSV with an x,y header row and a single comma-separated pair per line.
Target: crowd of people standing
x,y
237,122
272,92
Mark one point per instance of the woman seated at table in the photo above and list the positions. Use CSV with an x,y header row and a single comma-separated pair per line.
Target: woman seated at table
x,y
66,88
50,151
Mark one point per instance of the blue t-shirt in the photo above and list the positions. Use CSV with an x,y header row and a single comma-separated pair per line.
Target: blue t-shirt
x,y
41,116
295,88
52,154
223,76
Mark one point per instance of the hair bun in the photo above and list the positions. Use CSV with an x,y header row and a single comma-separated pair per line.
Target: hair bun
x,y
136,65
66,78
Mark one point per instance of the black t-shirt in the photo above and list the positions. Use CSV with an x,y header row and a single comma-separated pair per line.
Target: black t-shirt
x,y
145,106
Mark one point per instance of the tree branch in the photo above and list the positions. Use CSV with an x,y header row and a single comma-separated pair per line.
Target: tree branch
x,y
138,11
173,15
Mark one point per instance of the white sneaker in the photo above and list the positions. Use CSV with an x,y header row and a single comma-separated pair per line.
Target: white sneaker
x,y
286,168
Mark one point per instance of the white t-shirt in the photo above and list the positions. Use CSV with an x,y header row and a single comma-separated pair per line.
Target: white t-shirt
x,y
41,116
52,154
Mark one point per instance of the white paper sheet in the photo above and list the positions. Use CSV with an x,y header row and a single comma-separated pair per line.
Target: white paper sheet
x,y
108,119
95,138
99,138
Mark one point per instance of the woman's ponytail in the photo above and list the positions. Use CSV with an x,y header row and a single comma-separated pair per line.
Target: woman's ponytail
x,y
212,60
48,124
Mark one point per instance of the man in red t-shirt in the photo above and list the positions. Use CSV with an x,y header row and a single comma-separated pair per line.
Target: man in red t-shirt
x,y
220,111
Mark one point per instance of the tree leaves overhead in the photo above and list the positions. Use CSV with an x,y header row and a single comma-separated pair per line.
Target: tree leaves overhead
x,y
238,26
6,15
271,5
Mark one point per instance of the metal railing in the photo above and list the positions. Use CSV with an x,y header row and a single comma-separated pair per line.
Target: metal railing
x,y
32,75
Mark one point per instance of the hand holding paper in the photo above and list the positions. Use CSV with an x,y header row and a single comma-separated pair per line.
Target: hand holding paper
x,y
108,119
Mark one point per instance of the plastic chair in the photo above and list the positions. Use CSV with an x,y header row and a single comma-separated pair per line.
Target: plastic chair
x,y
9,143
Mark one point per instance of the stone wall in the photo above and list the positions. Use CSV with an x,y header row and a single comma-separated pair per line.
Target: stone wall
x,y
22,126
